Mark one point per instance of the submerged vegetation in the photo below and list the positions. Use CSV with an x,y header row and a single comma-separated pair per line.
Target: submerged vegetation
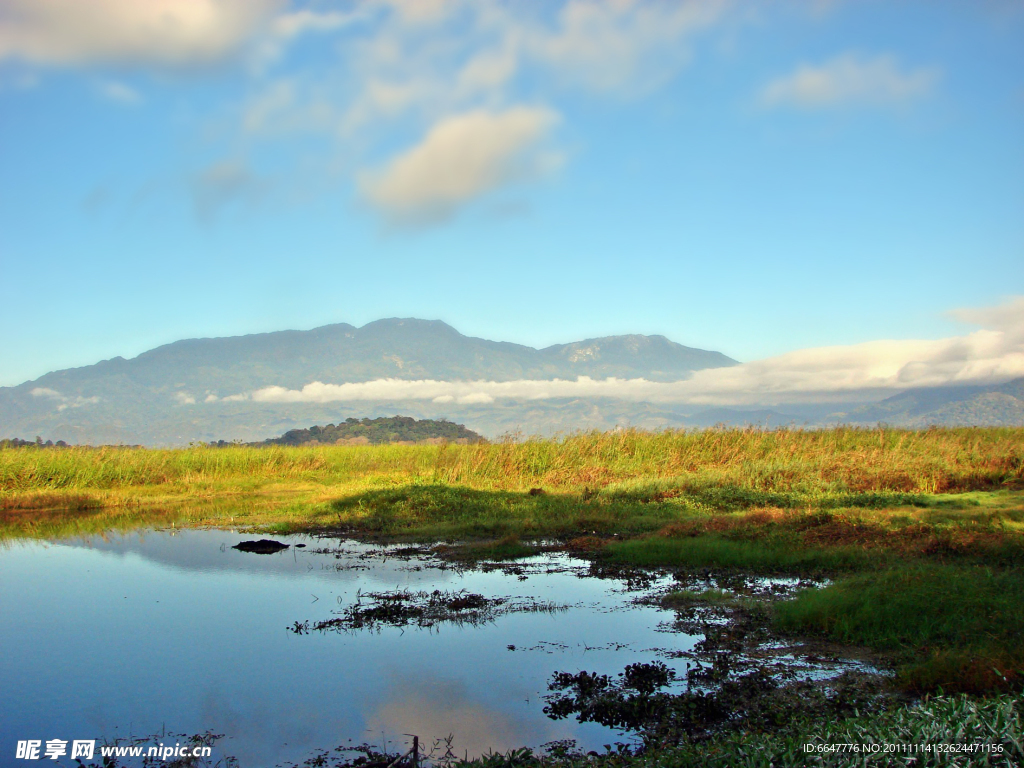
x,y
918,538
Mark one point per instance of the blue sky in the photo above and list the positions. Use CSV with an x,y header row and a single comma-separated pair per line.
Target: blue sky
x,y
753,178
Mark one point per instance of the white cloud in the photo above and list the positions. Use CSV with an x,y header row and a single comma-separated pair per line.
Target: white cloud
x,y
222,183
1007,317
119,92
461,158
862,368
432,66
283,30
437,66
849,79
290,25
619,44
63,402
165,34
184,398
859,371
457,56
475,398
287,105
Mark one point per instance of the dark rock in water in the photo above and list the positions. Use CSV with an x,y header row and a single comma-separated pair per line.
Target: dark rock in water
x,y
261,547
299,546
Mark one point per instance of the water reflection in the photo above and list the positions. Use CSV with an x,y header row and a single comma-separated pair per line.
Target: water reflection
x,y
123,635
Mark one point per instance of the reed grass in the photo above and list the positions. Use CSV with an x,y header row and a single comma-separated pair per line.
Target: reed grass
x,y
963,626
841,460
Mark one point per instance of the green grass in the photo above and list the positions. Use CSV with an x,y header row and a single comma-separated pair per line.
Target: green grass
x,y
717,598
957,627
508,548
717,552
446,512
996,723
781,462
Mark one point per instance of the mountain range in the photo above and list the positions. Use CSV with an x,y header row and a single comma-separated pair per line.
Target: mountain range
x,y
190,390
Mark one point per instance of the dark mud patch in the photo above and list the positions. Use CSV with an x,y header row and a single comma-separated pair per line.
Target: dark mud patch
x,y
261,547
422,610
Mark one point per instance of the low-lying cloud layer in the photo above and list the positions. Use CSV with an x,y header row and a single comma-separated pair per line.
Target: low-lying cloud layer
x,y
63,402
859,371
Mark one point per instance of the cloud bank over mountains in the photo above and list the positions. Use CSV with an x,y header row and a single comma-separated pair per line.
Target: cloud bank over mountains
x,y
861,372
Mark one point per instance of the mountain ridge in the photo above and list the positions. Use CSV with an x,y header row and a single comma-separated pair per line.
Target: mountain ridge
x,y
147,398
192,390
387,349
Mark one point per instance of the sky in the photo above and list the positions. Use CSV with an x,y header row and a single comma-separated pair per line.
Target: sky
x,y
790,181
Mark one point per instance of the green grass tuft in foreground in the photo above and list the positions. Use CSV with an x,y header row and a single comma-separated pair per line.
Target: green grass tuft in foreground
x,y
995,724
961,626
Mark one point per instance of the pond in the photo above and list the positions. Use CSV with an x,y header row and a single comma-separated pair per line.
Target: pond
x,y
133,634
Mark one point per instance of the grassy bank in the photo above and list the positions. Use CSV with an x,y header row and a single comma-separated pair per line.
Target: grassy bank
x,y
922,532
953,627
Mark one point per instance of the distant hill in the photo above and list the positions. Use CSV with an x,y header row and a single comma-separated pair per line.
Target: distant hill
x,y
744,417
174,394
1000,405
396,429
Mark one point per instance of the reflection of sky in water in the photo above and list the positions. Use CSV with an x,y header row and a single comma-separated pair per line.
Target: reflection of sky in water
x,y
152,630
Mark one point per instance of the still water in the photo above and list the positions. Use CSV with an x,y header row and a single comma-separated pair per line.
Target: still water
x,y
120,635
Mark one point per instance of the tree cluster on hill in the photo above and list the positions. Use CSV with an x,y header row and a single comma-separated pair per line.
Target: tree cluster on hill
x,y
395,429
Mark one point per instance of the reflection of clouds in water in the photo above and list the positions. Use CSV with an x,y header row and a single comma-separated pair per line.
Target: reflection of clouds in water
x,y
194,637
257,732
432,708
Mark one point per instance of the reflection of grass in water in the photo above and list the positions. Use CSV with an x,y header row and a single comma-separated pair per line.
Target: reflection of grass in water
x,y
56,523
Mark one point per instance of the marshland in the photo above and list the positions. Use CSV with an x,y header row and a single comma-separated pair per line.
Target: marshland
x,y
721,597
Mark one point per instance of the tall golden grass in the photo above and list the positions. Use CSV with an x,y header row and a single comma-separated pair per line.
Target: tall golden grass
x,y
834,460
